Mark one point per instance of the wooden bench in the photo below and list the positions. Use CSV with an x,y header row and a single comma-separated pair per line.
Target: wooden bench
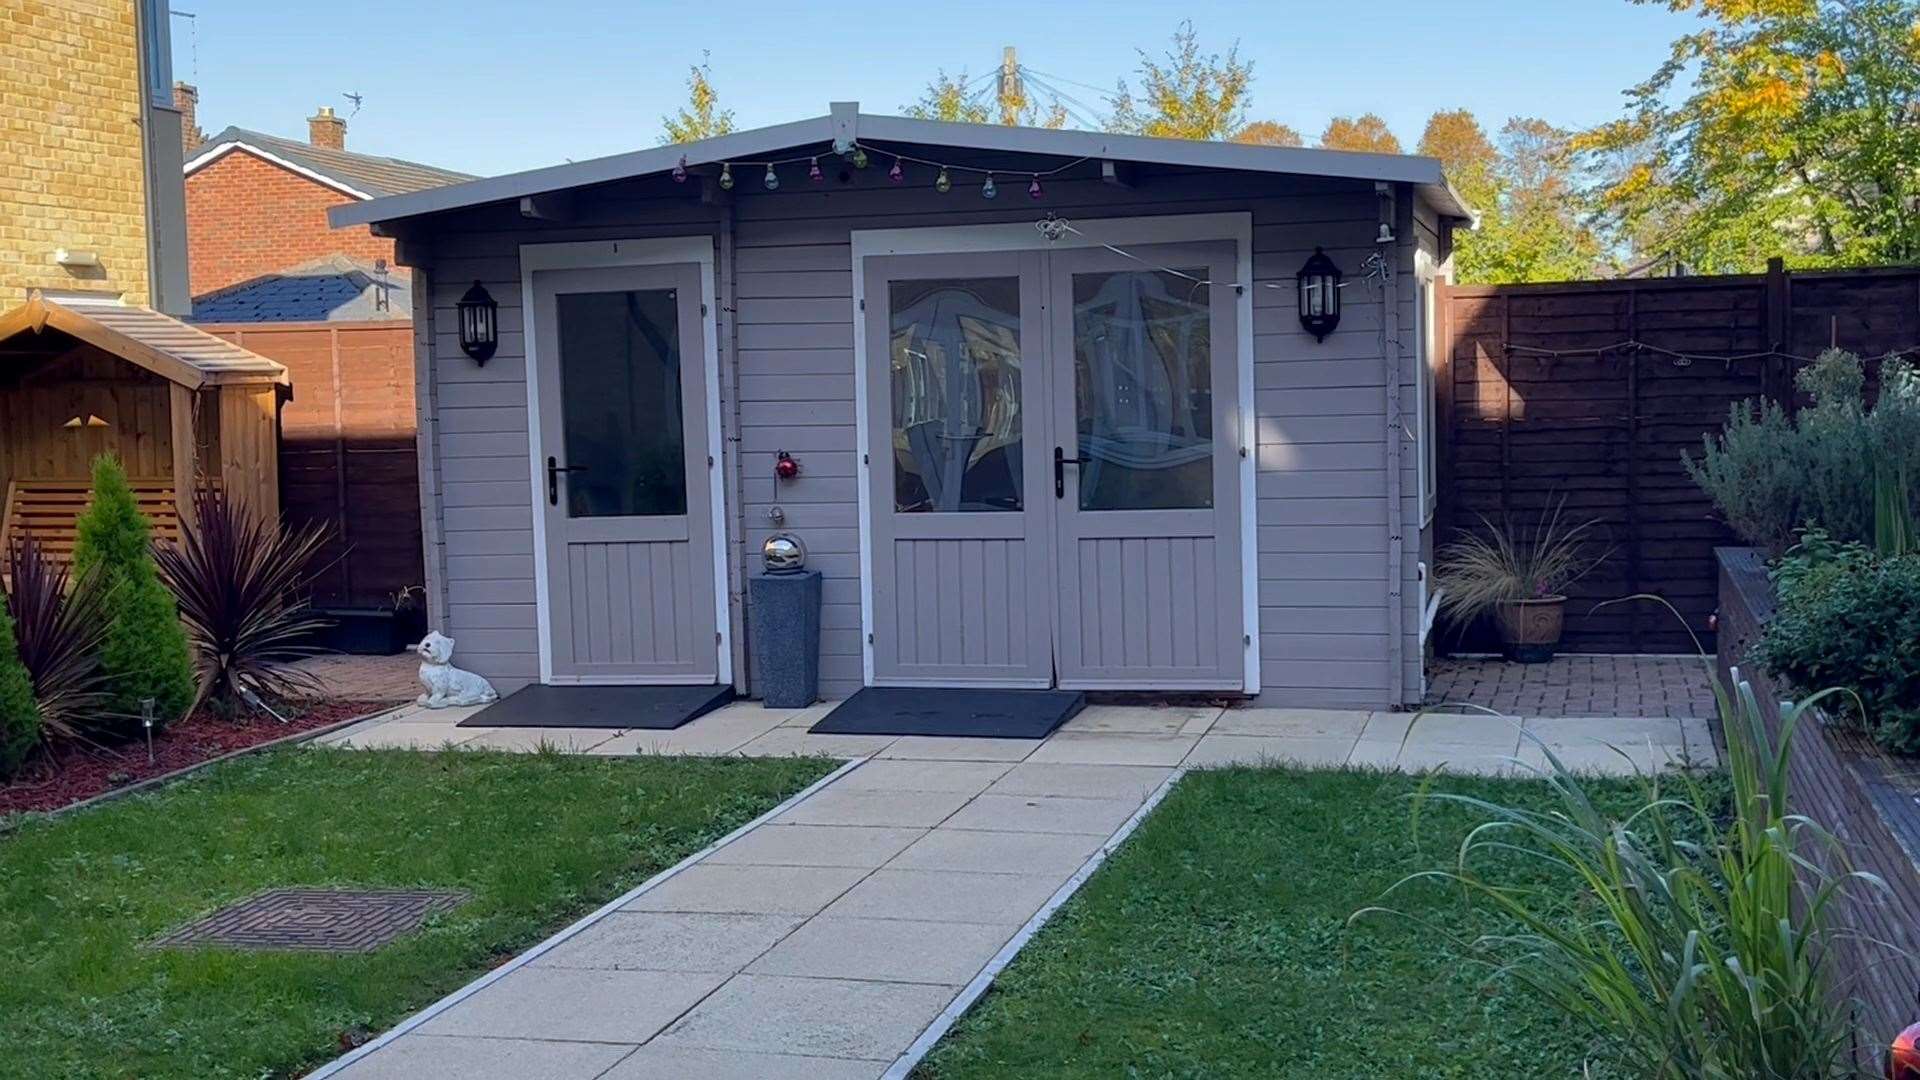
x,y
50,510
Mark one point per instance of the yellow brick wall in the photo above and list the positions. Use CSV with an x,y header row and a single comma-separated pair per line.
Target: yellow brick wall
x,y
71,175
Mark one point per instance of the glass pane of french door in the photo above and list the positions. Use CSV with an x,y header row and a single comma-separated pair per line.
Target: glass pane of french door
x,y
624,428
954,368
1143,389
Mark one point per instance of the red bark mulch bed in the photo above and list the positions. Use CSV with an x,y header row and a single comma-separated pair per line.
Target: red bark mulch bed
x,y
77,773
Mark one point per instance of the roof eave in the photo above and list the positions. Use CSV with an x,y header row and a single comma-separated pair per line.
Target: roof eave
x,y
1422,172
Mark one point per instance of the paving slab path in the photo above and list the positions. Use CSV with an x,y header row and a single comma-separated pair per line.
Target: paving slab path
x,y
824,941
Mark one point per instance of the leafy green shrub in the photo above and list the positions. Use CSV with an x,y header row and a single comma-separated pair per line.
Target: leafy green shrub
x,y
1691,940
1848,616
19,716
1835,464
144,654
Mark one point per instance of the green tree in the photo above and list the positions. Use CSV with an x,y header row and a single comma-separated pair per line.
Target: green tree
x,y
1366,132
946,99
145,652
1188,96
1779,127
1268,133
701,117
19,715
1532,220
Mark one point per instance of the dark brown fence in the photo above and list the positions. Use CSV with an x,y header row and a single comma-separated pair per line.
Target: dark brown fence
x,y
1865,799
1589,392
347,453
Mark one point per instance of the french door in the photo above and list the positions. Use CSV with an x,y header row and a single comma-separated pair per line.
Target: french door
x,y
624,490
1053,469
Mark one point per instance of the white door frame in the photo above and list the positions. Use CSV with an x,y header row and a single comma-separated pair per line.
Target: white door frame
x,y
1236,226
595,254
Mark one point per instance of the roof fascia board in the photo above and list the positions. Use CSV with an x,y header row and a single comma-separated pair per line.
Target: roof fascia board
x,y
224,149
74,324
1423,172
583,173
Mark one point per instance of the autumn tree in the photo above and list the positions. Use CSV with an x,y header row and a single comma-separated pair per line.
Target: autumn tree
x,y
1532,221
701,117
1779,127
1457,139
949,98
1365,132
1186,95
1267,133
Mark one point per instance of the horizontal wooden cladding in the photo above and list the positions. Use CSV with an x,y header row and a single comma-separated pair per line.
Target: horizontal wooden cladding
x,y
1606,432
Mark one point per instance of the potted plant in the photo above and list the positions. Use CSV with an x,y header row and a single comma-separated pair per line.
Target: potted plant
x,y
1519,576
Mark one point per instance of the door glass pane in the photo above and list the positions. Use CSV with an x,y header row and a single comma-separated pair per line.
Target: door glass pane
x,y
955,369
620,404
1143,390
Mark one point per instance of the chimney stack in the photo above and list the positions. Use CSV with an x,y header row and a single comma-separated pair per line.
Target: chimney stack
x,y
186,100
327,130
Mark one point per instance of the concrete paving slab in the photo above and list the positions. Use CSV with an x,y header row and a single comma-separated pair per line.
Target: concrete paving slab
x,y
1039,854
1139,719
528,740
1619,731
1043,813
399,735
889,774
946,896
658,1062
822,1017
942,748
885,950
797,741
749,890
1134,782
670,941
1470,759
1292,723
577,1006
921,809
710,734
775,844
457,1057
1116,748
1459,729
1296,750
1387,727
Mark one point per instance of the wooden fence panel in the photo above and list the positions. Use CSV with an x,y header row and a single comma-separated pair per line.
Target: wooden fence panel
x,y
347,451
1571,392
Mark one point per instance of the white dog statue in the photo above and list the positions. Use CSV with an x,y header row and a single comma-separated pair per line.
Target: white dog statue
x,y
448,686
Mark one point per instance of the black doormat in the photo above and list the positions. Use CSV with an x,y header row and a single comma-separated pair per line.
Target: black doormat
x,y
656,708
983,714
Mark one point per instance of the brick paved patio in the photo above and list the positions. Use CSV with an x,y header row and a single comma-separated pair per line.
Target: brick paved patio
x,y
366,678
1577,685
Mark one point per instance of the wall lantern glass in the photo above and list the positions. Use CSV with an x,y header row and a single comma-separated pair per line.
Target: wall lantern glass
x,y
479,324
1319,295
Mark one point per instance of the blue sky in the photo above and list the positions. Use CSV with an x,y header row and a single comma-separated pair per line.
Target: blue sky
x,y
489,87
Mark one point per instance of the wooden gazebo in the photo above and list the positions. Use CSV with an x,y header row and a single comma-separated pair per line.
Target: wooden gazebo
x,y
179,406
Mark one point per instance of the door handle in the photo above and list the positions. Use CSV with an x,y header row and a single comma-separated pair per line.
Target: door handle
x,y
554,469
1060,463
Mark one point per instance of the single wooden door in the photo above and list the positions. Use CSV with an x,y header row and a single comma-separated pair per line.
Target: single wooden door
x,y
956,471
625,493
1145,463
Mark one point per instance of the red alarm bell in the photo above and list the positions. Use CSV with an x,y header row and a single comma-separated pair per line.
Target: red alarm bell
x,y
785,467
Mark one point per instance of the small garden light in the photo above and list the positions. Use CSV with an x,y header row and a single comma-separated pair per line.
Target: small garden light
x,y
479,324
1319,295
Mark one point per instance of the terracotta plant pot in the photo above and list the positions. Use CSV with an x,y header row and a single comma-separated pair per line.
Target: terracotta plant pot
x,y
1530,629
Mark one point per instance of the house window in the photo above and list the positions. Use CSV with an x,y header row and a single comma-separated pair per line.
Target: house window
x,y
156,38
1428,441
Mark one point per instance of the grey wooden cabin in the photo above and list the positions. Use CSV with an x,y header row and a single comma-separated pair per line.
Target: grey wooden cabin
x,y
1071,435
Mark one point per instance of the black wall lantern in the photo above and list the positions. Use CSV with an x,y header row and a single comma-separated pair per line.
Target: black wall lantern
x,y
479,324
1319,295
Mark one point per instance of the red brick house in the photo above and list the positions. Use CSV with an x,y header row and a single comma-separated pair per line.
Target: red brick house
x,y
257,203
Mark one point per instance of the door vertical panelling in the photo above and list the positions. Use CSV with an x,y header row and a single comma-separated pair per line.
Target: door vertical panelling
x,y
958,494
627,502
1144,422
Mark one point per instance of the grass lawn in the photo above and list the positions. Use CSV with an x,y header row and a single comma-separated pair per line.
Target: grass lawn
x,y
537,839
1215,944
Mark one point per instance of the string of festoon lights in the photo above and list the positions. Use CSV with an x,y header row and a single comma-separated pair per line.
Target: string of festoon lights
x,y
860,156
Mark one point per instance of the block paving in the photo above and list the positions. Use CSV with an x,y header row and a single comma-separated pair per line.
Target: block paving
x,y
1577,685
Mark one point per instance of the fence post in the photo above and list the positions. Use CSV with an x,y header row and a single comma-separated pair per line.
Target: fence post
x,y
1775,382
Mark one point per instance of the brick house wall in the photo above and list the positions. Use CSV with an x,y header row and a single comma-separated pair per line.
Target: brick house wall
x,y
74,174
247,217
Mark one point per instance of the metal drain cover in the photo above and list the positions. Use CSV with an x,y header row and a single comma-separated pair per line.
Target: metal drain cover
x,y
315,920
